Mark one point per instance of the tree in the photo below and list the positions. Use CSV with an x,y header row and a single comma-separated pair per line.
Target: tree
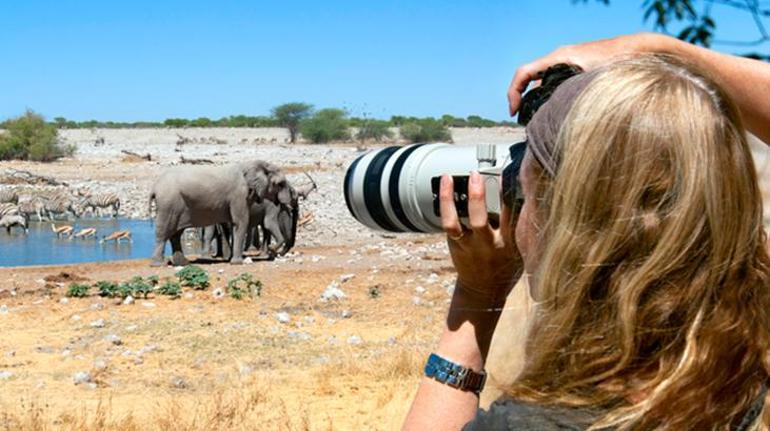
x,y
29,137
374,129
425,131
326,125
695,21
290,115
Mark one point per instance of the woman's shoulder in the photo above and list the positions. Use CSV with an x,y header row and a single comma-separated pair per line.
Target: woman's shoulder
x,y
517,415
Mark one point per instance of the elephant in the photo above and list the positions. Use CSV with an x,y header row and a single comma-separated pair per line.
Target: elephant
x,y
198,196
275,220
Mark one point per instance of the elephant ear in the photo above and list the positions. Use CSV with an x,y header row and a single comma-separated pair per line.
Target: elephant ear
x,y
282,190
256,179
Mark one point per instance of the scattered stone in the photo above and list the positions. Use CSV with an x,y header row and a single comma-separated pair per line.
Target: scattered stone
x,y
132,328
138,360
347,314
245,370
309,319
81,377
220,271
391,341
64,301
248,260
5,375
298,335
416,300
148,304
66,352
10,354
99,323
432,278
3,309
346,277
333,341
129,300
218,293
179,383
75,318
100,364
332,291
189,295
354,340
419,289
283,317
44,349
114,339
98,306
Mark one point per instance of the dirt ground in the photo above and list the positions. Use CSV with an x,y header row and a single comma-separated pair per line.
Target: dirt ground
x,y
203,363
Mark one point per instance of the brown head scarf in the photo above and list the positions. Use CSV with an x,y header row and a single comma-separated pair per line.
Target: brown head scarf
x,y
544,127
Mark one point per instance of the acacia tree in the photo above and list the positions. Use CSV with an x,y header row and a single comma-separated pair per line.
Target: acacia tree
x,y
289,115
693,21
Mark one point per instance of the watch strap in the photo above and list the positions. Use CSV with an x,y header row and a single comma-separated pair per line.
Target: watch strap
x,y
454,375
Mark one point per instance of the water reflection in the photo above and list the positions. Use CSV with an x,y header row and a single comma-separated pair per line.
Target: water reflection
x,y
41,246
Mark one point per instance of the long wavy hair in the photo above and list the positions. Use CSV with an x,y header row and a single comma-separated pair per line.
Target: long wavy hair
x,y
654,278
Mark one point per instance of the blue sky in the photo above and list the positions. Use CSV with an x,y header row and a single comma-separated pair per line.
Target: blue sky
x,y
151,60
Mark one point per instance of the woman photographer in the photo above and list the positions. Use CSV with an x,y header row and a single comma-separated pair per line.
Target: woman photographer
x,y
641,237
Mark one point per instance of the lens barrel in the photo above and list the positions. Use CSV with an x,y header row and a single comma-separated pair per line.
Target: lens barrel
x,y
390,188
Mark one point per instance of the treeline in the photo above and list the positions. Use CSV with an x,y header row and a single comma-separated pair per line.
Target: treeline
x,y
270,121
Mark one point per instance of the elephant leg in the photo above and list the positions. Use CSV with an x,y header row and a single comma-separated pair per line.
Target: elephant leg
x,y
207,237
157,255
273,229
225,235
177,257
239,213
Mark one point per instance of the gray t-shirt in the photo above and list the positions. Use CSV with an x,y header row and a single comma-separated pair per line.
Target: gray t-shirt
x,y
516,415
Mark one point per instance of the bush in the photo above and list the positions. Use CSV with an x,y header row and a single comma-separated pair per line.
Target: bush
x,y
243,285
171,288
374,129
76,290
140,286
374,291
425,131
107,288
29,137
193,276
326,125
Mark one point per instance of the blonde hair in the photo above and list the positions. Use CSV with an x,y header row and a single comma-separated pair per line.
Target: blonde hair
x,y
654,273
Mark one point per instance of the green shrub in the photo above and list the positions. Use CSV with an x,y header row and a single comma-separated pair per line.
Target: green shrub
x,y
29,137
76,290
374,291
171,288
243,285
425,131
140,286
107,288
193,276
326,125
374,129
125,289
154,280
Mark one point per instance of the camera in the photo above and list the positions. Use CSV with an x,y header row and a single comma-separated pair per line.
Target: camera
x,y
396,188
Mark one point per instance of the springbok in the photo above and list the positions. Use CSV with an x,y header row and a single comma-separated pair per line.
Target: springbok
x,y
62,230
117,236
85,233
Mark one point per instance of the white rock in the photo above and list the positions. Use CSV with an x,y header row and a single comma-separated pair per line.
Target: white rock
x,y
218,293
129,300
419,289
64,301
189,295
347,314
148,304
131,328
283,317
81,377
332,291
346,277
5,375
354,340
114,339
97,306
100,364
248,260
75,318
3,309
416,300
99,323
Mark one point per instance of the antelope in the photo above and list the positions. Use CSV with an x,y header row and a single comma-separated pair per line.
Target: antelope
x,y
62,230
84,233
117,236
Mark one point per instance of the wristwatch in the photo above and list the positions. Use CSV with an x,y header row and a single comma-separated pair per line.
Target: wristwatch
x,y
454,375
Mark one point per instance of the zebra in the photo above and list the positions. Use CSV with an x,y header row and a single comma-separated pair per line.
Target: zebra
x,y
58,205
96,202
32,205
8,195
8,208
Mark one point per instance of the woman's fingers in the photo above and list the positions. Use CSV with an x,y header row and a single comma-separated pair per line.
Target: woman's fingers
x,y
450,222
477,209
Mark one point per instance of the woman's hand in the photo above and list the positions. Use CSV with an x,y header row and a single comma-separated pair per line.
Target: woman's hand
x,y
486,259
588,56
